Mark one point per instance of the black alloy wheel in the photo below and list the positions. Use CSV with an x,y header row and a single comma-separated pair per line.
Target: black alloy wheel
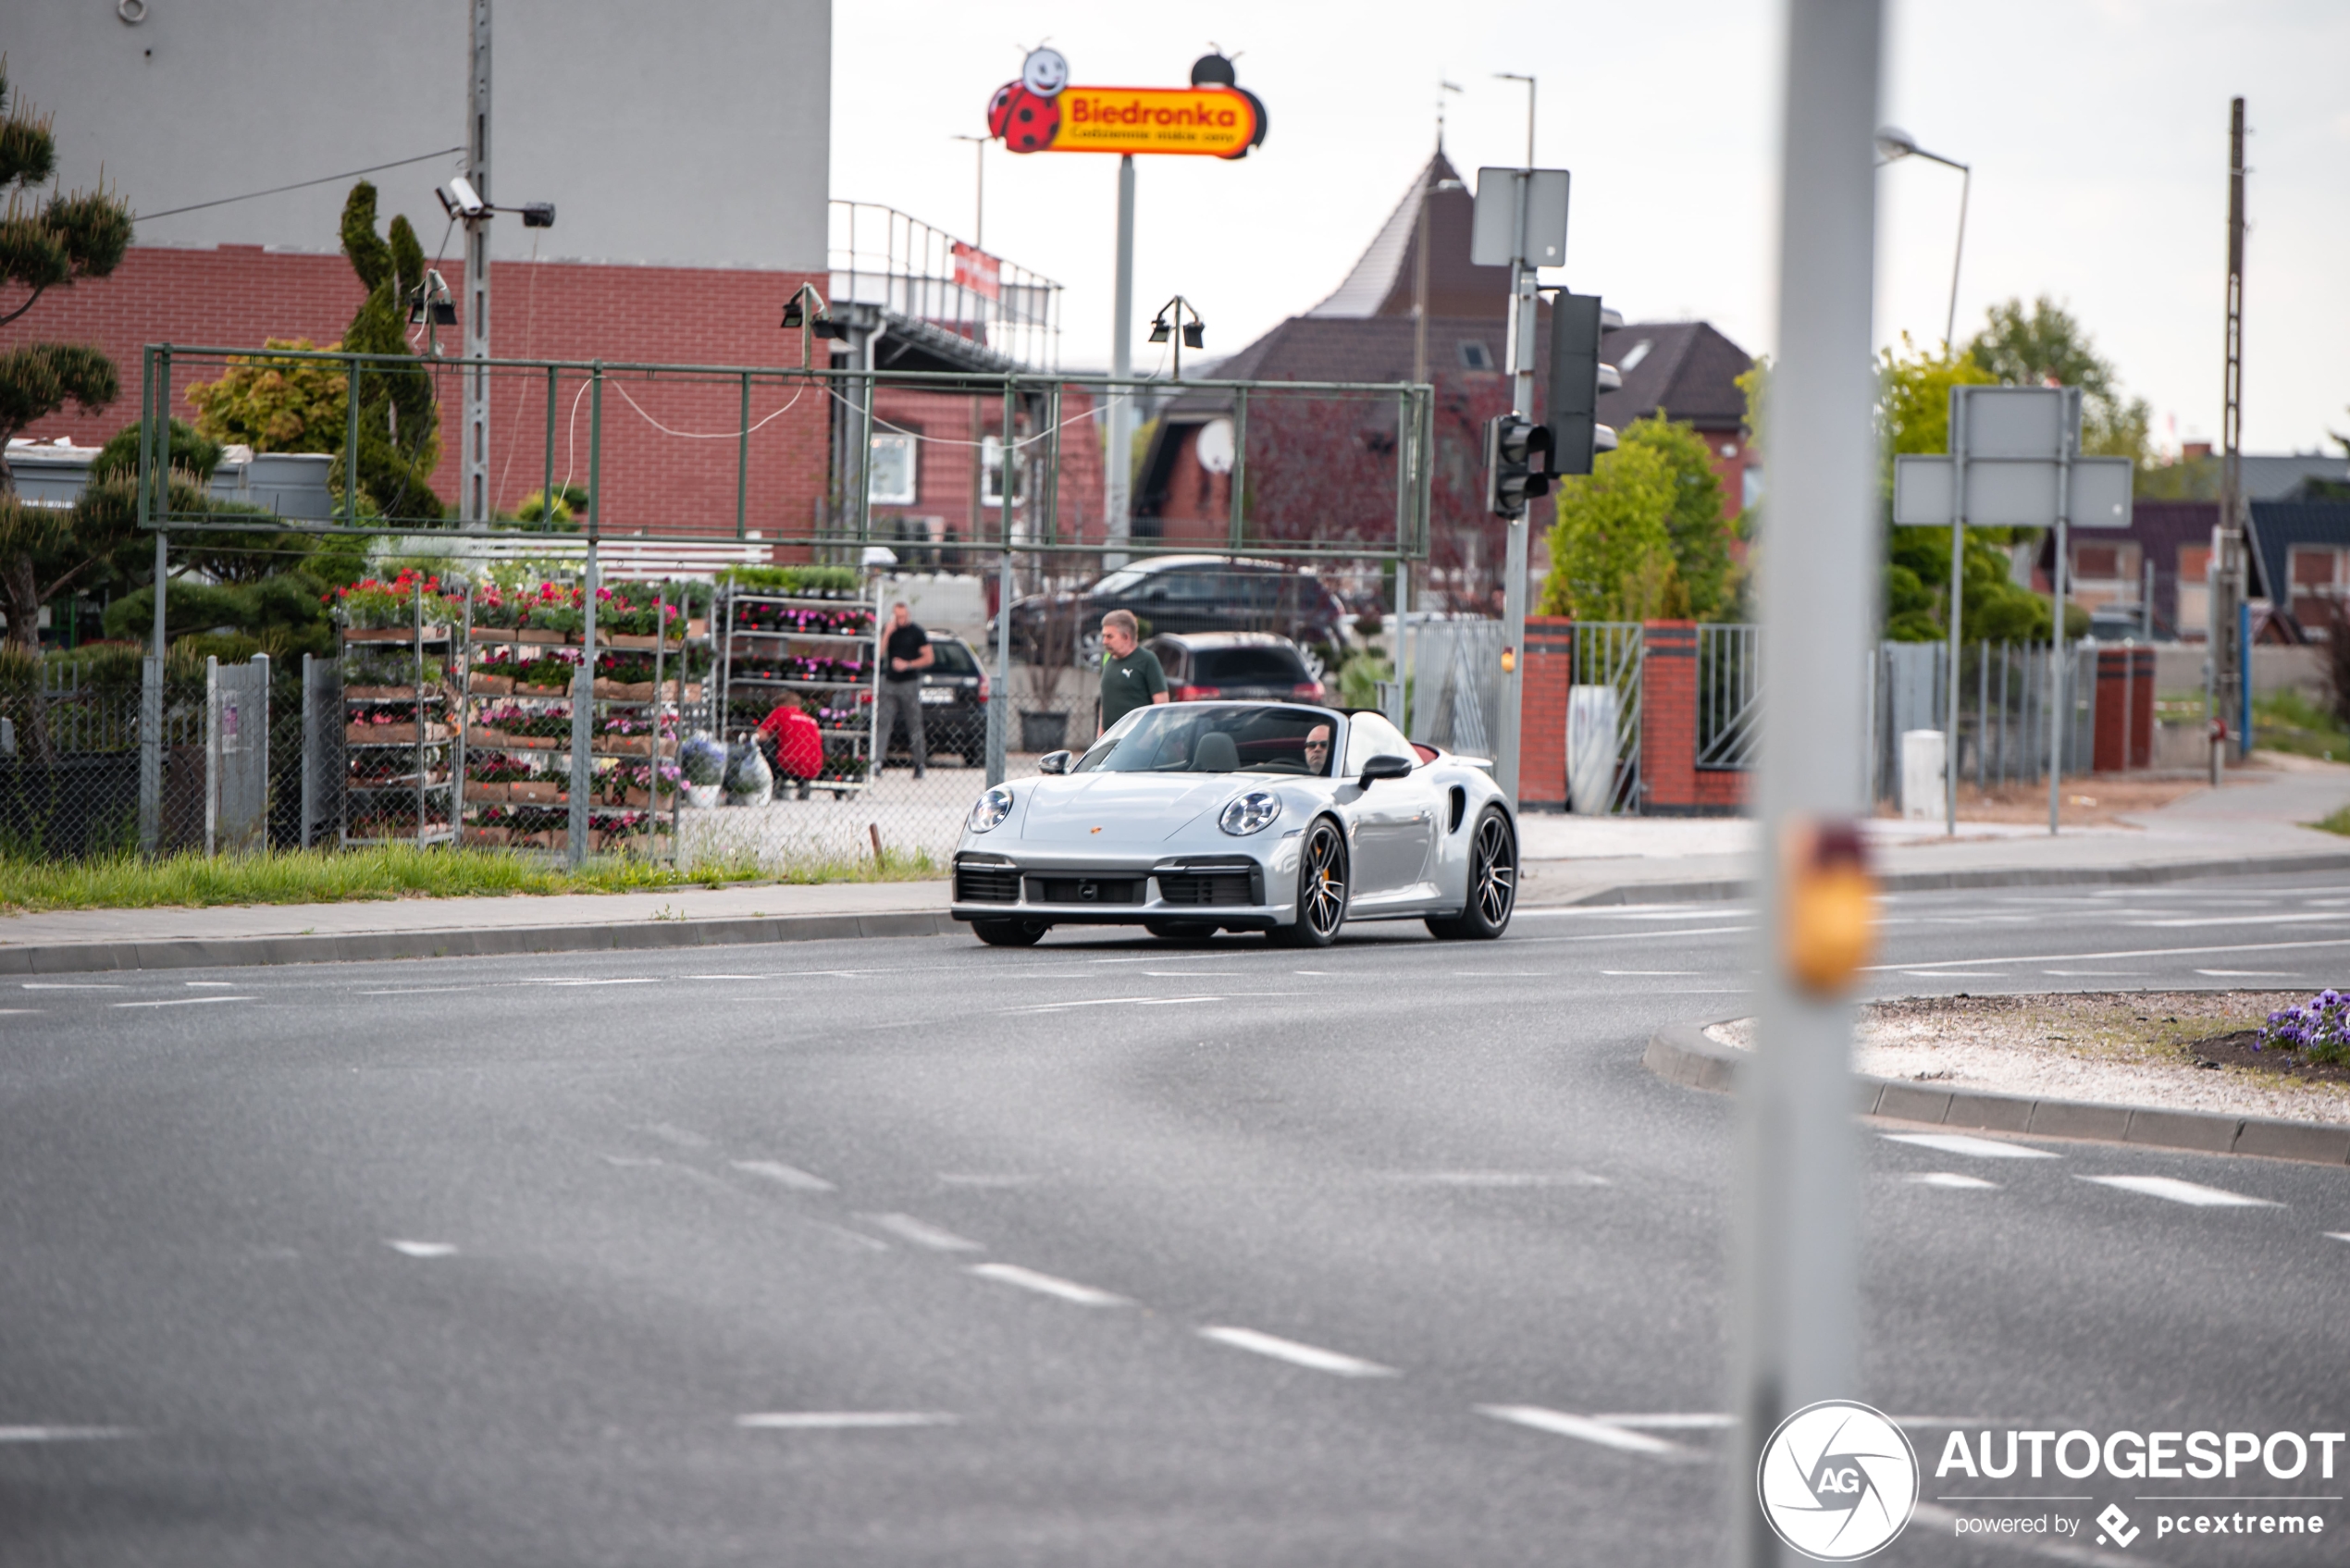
x,y
1492,883
1321,889
1009,934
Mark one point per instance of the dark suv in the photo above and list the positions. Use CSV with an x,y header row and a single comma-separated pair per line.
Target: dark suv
x,y
954,704
1184,594
1207,665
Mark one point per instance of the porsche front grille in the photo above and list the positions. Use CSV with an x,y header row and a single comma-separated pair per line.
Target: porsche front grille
x,y
1205,887
1084,890
987,884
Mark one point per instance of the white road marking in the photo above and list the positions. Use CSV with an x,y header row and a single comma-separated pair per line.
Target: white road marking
x,y
2096,974
1064,1007
62,1434
1691,1422
422,1249
733,977
907,1228
2250,974
1560,1423
645,979
1649,935
213,984
1956,974
2123,953
1047,1285
2190,1192
12,1012
2338,1235
2202,918
421,991
1495,1178
1198,974
1960,1143
1179,1001
182,1002
1656,974
1310,1356
70,985
1951,1180
790,1176
842,1420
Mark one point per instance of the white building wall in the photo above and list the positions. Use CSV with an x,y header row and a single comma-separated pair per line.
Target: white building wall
x,y
695,134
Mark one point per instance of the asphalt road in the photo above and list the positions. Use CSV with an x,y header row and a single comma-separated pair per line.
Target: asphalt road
x,y
916,1252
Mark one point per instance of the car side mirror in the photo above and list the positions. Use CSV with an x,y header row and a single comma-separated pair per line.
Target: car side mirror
x,y
1386,767
1053,762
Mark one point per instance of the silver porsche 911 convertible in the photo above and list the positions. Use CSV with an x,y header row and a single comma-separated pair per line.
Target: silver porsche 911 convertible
x,y
1189,818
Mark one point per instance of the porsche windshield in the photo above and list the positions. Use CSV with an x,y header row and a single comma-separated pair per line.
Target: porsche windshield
x,y
1183,738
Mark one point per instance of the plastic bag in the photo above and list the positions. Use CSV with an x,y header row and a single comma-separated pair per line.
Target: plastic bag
x,y
750,781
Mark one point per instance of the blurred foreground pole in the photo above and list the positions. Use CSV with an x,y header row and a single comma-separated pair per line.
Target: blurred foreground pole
x,y
1797,1314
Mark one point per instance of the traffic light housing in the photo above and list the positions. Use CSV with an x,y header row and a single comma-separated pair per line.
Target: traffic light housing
x,y
1518,464
1574,405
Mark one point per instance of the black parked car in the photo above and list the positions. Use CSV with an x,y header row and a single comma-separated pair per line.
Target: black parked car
x,y
1182,594
954,705
1205,666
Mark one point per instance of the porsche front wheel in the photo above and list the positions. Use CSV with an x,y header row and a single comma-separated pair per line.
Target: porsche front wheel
x,y
1009,934
1321,888
1492,883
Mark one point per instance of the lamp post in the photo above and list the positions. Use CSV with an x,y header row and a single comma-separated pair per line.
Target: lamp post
x,y
1170,322
979,195
1893,142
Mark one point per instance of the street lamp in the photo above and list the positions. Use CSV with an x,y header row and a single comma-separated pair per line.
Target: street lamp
x,y
1892,143
978,198
1194,333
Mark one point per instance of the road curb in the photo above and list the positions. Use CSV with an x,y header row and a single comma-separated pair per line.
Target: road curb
x,y
344,947
1681,1053
1717,889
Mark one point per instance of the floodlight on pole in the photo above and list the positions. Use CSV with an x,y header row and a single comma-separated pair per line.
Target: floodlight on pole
x,y
1169,323
1892,144
807,312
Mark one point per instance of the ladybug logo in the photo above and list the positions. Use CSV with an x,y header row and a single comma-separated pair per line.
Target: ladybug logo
x,y
1044,72
1021,120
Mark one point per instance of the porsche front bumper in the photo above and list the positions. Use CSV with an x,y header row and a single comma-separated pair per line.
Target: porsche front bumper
x,y
1225,889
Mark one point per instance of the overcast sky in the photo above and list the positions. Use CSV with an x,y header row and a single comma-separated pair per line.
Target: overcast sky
x,y
2098,129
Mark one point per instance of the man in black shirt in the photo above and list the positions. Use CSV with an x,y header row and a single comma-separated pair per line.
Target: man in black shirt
x,y
905,654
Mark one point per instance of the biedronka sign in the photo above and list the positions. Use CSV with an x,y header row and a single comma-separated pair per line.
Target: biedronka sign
x,y
1041,113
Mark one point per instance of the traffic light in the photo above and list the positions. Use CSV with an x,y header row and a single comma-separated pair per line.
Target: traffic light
x,y
1518,464
1576,430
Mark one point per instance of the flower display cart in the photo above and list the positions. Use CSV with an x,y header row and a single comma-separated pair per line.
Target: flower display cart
x,y
527,688
396,654
822,644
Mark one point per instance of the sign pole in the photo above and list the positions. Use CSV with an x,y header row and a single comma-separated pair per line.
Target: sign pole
x,y
1957,606
1523,317
2057,714
1120,468
1796,1318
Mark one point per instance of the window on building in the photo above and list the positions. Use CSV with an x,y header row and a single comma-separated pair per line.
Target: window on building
x,y
2318,575
2194,589
1475,355
894,476
2105,571
991,454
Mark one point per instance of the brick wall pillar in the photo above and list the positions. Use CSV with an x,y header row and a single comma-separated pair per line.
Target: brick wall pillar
x,y
1668,719
1548,672
2125,685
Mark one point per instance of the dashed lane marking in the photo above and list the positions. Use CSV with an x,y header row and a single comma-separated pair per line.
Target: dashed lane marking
x,y
1047,1285
70,985
2338,1235
2250,974
789,1176
2193,1194
842,1420
1976,1148
423,1249
1310,1356
1691,1421
1494,1179
1955,1180
599,979
905,1228
210,984
62,1434
2261,947
182,1002
1558,1423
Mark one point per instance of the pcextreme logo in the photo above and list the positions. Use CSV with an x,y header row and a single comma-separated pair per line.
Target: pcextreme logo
x,y
1838,1481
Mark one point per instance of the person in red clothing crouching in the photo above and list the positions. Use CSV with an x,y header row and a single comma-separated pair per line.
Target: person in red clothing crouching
x,y
794,741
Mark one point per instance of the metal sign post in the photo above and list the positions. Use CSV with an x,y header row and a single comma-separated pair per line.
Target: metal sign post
x,y
2014,463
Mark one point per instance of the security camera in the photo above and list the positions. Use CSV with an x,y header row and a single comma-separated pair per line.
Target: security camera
x,y
460,200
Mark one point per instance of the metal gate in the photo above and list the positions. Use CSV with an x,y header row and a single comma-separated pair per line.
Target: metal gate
x,y
236,795
1729,696
1604,718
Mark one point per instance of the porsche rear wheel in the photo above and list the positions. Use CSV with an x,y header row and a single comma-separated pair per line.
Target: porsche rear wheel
x,y
1492,883
1009,934
1321,889
1180,931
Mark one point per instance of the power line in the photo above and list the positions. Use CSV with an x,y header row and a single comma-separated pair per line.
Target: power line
x,y
300,184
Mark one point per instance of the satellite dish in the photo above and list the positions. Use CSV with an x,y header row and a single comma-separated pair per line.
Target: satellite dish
x,y
1214,447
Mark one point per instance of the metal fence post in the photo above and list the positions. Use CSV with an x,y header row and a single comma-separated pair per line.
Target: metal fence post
x,y
583,686
309,746
999,703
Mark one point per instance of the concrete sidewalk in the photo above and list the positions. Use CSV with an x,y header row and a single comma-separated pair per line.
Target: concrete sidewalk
x,y
2249,826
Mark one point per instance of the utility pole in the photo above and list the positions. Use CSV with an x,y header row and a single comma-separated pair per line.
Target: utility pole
x,y
979,196
1118,466
474,499
1523,317
2229,584
1796,1318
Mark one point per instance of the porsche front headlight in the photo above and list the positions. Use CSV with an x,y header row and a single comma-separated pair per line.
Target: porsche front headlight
x,y
991,810
1251,812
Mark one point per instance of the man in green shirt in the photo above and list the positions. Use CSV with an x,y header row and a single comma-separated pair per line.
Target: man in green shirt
x,y
1130,675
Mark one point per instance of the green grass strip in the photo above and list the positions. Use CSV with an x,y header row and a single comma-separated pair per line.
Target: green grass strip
x,y
328,876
